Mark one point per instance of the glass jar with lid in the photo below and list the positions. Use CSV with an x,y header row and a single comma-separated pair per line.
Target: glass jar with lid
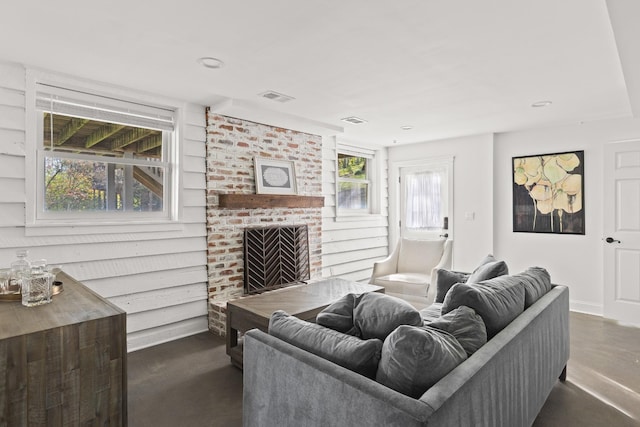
x,y
36,288
20,269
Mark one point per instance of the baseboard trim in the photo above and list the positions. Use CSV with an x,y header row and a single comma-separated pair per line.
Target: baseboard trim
x,y
586,307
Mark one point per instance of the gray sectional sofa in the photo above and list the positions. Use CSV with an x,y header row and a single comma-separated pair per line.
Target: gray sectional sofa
x,y
504,383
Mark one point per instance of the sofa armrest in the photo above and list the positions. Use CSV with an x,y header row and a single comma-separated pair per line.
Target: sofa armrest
x,y
533,349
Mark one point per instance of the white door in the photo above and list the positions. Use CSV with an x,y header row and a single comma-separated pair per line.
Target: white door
x,y
621,238
425,194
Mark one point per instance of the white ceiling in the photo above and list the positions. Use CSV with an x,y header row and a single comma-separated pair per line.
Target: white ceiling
x,y
447,68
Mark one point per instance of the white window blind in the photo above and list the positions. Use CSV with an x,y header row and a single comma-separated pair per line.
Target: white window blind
x,y
73,103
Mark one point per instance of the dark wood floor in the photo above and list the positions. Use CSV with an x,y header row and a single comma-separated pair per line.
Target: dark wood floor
x,y
190,382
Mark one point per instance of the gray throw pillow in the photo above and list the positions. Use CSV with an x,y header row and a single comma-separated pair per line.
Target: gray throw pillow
x,y
339,315
376,315
498,301
414,359
445,279
431,313
486,260
465,325
488,271
537,282
361,356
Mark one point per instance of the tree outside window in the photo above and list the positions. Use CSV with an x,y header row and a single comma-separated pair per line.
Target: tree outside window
x,y
354,182
100,155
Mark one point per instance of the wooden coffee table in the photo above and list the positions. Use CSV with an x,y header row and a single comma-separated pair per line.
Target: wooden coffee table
x,y
302,301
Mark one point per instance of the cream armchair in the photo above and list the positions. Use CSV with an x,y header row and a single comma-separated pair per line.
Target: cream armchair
x,y
408,272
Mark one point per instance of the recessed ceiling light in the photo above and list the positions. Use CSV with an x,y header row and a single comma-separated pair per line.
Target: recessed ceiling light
x,y
210,62
539,104
406,127
354,120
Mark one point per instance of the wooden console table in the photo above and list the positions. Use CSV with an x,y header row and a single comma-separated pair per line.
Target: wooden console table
x,y
63,363
302,301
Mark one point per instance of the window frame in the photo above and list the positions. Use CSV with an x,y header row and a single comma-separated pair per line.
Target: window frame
x,y
372,182
35,153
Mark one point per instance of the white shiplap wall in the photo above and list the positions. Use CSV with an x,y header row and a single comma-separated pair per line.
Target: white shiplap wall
x,y
350,246
156,273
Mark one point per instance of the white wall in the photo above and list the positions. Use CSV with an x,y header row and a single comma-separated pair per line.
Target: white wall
x,y
573,260
483,184
472,188
156,274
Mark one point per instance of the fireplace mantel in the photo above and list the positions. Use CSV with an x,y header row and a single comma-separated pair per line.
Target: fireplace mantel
x,y
256,201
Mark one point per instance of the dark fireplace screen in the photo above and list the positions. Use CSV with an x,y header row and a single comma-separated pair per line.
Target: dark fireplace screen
x,y
275,257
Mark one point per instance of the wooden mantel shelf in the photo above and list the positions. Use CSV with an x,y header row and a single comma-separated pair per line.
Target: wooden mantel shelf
x,y
253,201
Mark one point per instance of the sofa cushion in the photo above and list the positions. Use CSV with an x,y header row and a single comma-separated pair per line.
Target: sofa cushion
x,y
431,313
488,269
361,356
419,256
498,301
445,279
339,315
413,359
465,325
537,282
376,315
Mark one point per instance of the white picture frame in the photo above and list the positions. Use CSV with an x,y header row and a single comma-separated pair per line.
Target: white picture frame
x,y
275,176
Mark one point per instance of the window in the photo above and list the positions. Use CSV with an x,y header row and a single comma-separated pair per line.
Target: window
x,y
424,197
354,178
423,210
102,158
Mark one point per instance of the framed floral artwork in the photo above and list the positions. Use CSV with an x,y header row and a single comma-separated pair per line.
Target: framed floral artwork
x,y
548,193
275,176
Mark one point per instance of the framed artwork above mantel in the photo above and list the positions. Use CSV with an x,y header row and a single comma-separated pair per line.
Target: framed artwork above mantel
x,y
548,193
275,176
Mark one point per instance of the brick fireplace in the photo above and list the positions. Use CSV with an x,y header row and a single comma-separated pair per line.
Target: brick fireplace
x,y
232,145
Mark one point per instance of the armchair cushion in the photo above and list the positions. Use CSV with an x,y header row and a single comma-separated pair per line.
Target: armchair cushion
x,y
398,278
419,256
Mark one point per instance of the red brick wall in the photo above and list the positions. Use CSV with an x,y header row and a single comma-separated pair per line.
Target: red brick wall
x,y
232,145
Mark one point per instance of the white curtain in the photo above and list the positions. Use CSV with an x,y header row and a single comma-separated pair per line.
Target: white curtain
x,y
423,210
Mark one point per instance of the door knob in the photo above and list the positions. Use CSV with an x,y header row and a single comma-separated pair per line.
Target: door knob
x,y
611,240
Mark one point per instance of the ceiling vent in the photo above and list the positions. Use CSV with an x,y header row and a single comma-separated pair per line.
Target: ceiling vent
x,y
275,96
354,120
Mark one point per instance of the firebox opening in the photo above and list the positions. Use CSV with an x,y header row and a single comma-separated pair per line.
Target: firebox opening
x,y
275,257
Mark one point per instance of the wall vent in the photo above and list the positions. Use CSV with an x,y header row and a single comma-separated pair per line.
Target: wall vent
x,y
275,96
